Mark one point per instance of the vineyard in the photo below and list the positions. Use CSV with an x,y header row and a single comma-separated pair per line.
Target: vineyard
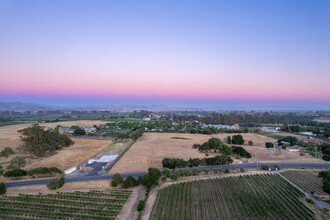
x,y
76,205
261,196
306,180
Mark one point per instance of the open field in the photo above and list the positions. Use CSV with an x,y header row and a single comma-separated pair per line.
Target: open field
x,y
307,181
79,205
151,148
266,196
64,158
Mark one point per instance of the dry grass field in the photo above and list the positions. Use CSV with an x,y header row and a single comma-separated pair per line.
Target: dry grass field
x,y
63,159
151,148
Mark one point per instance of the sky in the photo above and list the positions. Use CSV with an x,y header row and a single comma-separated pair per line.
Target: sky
x,y
165,52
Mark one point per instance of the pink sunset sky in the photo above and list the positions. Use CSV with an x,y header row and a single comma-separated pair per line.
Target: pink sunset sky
x,y
165,51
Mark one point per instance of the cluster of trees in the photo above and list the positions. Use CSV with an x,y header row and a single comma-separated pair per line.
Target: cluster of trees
x,y
291,139
325,148
6,152
215,144
56,183
38,141
325,175
148,180
173,163
269,145
236,139
78,130
238,150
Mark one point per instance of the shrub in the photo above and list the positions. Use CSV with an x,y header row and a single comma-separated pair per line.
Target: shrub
x,y
15,173
183,172
277,166
325,209
196,172
55,170
242,170
116,180
6,152
129,182
206,171
269,145
1,169
216,170
238,157
250,143
310,201
166,172
326,157
264,167
174,177
226,171
56,183
2,188
164,178
17,163
140,205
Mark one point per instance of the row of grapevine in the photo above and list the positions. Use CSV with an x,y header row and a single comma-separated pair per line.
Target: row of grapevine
x,y
306,180
260,196
76,205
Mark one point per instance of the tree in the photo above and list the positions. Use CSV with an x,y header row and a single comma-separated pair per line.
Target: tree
x,y
2,188
228,140
166,172
250,143
225,149
56,183
277,166
196,172
206,171
1,169
129,182
264,167
17,163
6,152
285,127
116,180
140,205
79,131
238,139
38,141
269,145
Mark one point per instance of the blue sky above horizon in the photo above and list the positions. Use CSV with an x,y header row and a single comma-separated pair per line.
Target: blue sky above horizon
x,y
165,52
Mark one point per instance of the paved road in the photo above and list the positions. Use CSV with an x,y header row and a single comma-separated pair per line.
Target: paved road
x,y
135,175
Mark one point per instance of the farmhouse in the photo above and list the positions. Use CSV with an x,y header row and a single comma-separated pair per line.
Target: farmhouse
x,y
66,130
146,119
270,129
309,133
295,148
89,129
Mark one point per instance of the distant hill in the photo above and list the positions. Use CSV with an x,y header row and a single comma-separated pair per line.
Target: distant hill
x,y
20,106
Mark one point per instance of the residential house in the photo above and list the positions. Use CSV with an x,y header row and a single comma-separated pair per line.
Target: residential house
x,y
89,129
295,148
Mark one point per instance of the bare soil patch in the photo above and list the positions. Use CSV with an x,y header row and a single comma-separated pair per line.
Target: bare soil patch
x,y
152,148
